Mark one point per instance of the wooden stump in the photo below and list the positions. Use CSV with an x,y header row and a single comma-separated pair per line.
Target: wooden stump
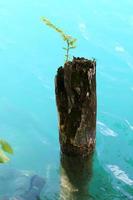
x,y
75,88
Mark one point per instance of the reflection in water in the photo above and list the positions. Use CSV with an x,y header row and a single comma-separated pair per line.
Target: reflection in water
x,y
75,175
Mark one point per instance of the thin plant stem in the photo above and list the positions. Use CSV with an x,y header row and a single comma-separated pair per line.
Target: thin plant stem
x,y
67,53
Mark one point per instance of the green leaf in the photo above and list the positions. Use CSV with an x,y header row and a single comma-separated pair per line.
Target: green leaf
x,y
72,42
66,37
48,23
64,48
73,47
6,147
3,157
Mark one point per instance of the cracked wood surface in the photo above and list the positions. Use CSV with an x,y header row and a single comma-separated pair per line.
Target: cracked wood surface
x,y
75,88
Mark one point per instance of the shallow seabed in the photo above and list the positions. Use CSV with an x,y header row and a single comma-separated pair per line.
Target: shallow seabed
x,y
30,54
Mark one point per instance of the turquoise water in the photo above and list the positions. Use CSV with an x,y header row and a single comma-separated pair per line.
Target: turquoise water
x,y
30,54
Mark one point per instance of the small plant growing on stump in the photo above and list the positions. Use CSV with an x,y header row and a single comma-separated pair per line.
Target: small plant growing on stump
x,y
70,41
75,90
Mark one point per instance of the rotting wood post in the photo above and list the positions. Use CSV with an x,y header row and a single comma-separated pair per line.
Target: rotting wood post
x,y
75,88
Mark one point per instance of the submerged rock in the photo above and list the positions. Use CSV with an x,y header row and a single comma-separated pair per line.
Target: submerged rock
x,y
20,185
75,88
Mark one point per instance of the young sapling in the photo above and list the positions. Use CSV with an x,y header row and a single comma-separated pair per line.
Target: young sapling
x,y
70,41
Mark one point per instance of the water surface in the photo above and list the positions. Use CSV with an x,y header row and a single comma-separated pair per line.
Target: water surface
x,y
30,54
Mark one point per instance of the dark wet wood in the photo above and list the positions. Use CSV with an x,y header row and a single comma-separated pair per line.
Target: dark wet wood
x,y
75,88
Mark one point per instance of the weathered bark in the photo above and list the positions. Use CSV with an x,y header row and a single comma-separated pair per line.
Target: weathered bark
x,y
75,88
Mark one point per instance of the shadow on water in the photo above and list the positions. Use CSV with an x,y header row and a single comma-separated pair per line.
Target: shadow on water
x,y
75,174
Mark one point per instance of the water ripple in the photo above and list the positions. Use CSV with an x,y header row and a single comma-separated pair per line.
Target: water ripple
x,y
128,123
105,130
120,174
